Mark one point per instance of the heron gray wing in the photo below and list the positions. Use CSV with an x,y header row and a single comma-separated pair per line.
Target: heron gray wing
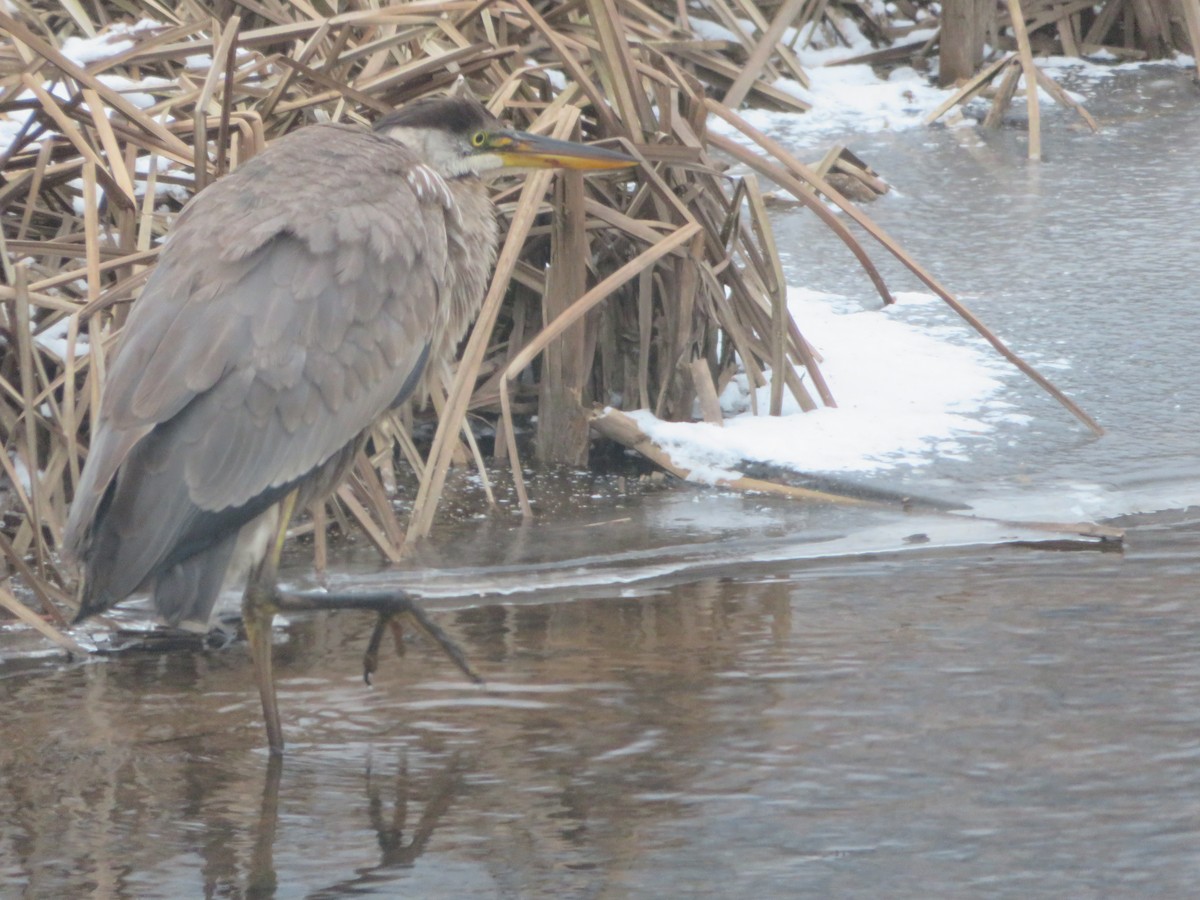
x,y
347,196
294,301
323,358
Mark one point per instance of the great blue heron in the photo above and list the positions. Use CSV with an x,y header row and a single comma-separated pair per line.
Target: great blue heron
x,y
296,301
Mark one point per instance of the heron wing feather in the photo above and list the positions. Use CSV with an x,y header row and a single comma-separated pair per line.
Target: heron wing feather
x,y
294,300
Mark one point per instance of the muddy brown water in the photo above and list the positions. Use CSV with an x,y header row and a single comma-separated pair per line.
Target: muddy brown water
x,y
696,694
1001,721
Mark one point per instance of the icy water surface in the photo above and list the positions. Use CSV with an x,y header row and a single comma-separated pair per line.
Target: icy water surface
x,y
695,694
1086,264
1005,722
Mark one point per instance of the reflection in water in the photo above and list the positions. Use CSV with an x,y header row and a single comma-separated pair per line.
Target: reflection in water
x,y
1008,722
149,769
397,850
262,881
386,806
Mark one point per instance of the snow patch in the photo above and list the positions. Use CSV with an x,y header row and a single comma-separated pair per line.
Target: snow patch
x,y
905,396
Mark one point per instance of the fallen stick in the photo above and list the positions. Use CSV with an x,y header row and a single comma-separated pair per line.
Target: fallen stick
x,y
617,426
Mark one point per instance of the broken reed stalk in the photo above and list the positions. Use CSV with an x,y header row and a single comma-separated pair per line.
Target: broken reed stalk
x,y
1029,70
787,14
562,433
670,285
578,310
801,181
777,290
1020,63
21,612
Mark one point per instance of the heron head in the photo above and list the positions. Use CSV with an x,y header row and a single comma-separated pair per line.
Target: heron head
x,y
456,135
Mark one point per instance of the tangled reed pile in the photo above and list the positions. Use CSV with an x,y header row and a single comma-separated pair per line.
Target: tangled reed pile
x,y
650,291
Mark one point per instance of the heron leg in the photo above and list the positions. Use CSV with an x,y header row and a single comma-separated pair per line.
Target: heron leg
x,y
259,605
391,607
258,613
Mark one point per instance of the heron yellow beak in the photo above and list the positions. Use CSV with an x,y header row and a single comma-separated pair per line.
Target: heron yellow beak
x,y
520,149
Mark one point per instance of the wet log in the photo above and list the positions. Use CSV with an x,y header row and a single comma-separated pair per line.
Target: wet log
x,y
706,392
965,25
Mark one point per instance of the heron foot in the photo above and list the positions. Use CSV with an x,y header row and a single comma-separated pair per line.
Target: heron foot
x,y
394,609
384,622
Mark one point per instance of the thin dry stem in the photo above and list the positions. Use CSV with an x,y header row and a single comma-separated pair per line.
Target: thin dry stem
x,y
662,283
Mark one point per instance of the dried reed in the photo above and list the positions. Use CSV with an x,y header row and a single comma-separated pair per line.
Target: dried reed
x,y
654,290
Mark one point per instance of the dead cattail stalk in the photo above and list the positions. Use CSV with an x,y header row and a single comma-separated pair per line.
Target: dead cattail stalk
x,y
800,190
1029,70
651,291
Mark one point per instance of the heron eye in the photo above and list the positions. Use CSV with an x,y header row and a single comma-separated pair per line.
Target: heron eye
x,y
478,139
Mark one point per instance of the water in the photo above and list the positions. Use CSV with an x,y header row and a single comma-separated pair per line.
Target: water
x,y
693,693
1085,264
